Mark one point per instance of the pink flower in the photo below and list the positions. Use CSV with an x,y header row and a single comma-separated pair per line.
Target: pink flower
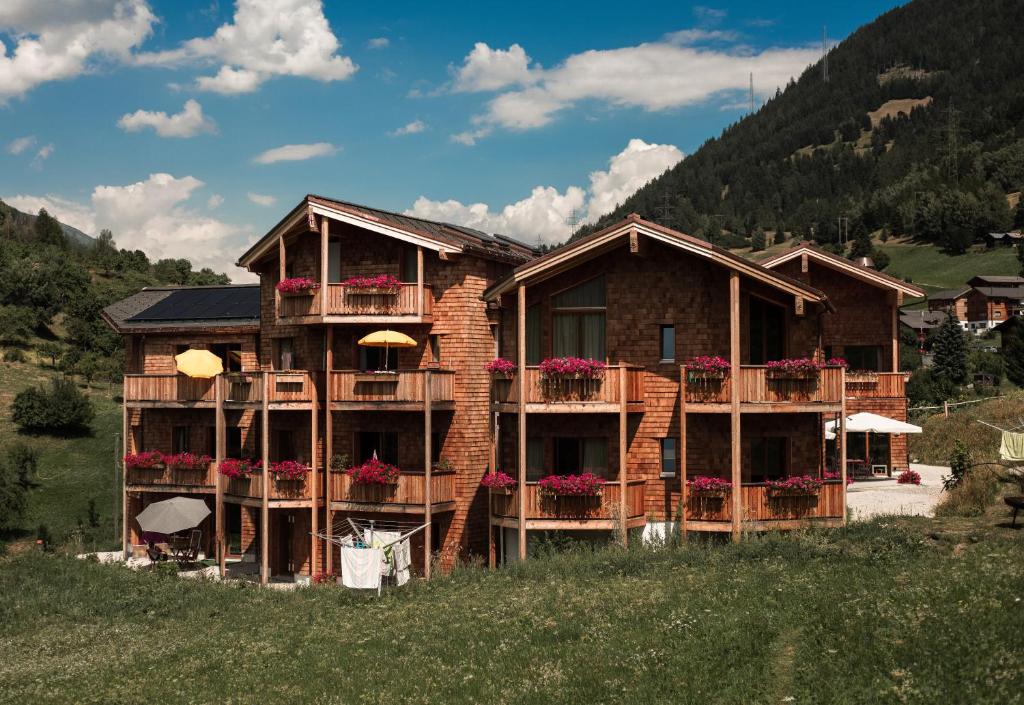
x,y
798,484
583,485
837,362
703,484
571,368
498,480
909,477
289,470
501,366
297,285
374,472
188,461
145,460
711,364
796,366
382,282
235,468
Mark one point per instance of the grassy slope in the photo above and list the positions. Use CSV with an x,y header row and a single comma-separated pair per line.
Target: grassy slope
x,y
875,613
935,445
71,470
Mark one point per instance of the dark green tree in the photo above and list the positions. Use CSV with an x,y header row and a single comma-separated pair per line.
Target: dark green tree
x,y
1013,354
757,240
48,230
950,351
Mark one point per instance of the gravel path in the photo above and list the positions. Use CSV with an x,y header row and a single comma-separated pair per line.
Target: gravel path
x,y
871,498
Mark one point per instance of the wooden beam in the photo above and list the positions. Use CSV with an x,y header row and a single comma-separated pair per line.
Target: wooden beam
x,y
841,440
321,293
798,305
280,274
124,479
419,281
634,241
220,445
521,430
735,419
265,503
492,555
314,493
623,456
681,451
803,263
329,447
895,323
427,468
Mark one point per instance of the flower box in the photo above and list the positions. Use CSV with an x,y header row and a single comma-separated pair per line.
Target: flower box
x,y
708,487
500,368
796,486
707,367
382,376
374,472
235,468
297,286
380,284
560,368
499,482
798,368
146,460
585,484
188,461
289,470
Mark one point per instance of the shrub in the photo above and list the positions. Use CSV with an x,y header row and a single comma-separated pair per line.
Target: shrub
x,y
15,355
25,461
13,497
61,409
909,477
970,497
959,463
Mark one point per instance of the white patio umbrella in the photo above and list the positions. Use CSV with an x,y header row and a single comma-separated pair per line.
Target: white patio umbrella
x,y
866,422
172,515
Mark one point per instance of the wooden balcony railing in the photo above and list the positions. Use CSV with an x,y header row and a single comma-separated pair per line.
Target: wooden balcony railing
x,y
759,505
758,385
540,505
307,304
544,391
402,386
176,477
293,386
876,385
346,301
251,487
410,489
167,388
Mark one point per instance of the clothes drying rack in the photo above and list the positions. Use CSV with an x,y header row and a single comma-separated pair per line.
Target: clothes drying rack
x,y
359,532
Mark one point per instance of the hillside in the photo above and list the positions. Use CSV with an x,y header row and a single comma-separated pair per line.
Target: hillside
x,y
919,130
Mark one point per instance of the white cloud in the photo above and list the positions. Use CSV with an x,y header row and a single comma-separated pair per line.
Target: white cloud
x,y
42,155
661,75
486,69
214,201
265,38
56,41
544,213
627,171
260,199
152,215
295,152
411,129
378,43
188,123
19,145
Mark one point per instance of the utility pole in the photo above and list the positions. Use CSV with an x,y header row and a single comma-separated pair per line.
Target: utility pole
x,y
574,218
664,211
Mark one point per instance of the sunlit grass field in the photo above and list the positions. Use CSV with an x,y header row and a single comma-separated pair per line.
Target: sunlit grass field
x,y
894,611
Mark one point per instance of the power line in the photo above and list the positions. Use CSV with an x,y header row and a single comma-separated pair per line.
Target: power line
x,y
573,220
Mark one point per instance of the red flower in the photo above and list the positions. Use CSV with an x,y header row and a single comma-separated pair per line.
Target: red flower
x,y
710,364
374,472
235,468
500,365
498,480
188,461
382,282
909,477
297,285
144,460
289,470
571,368
708,485
583,485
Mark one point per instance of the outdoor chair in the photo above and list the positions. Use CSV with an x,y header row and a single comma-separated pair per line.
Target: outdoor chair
x,y
189,552
1017,503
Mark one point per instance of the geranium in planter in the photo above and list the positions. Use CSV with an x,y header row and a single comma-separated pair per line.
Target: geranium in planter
x,y
297,286
377,284
585,484
796,486
796,368
837,362
188,461
707,367
239,467
704,486
558,368
836,476
501,368
146,460
289,470
374,472
498,481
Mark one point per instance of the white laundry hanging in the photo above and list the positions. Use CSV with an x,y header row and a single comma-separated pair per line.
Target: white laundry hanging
x,y
361,567
397,553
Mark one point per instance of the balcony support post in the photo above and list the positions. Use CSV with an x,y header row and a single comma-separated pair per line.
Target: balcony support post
x,y
314,474
895,323
419,282
521,412
265,504
124,478
428,452
841,441
281,269
492,557
623,442
324,260
734,399
220,445
329,447
681,451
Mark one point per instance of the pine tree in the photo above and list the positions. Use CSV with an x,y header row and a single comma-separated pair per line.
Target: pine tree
x,y
950,351
757,240
1013,353
1020,258
862,245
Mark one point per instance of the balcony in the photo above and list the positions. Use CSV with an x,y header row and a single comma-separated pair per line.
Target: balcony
x,y
353,390
166,479
762,512
337,303
544,511
287,389
406,497
248,490
876,385
573,395
760,390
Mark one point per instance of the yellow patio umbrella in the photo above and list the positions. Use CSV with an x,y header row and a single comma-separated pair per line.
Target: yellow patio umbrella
x,y
387,339
201,364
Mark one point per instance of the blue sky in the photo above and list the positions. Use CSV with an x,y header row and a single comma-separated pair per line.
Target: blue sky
x,y
150,117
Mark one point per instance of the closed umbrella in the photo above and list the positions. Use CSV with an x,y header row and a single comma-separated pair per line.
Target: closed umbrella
x,y
200,364
173,515
387,339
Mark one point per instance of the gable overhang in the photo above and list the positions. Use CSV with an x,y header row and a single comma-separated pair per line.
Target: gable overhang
x,y
863,274
584,250
313,207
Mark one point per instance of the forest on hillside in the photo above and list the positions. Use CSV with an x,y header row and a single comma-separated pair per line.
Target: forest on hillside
x,y
811,156
52,289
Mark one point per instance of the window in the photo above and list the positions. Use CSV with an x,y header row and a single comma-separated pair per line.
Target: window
x,y
668,343
284,444
578,321
211,441
409,266
668,457
233,438
863,357
179,349
576,455
383,443
334,261
230,355
768,458
535,459
180,439
233,522
435,349
285,357
378,358
532,335
435,447
767,327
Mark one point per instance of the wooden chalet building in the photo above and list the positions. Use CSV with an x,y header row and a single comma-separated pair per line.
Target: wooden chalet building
x,y
641,298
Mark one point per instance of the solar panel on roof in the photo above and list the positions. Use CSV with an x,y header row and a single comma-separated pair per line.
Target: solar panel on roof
x,y
204,304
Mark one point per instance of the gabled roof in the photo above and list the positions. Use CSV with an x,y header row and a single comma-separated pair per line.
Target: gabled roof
x,y
1001,292
922,320
575,253
948,294
993,280
176,307
841,264
441,237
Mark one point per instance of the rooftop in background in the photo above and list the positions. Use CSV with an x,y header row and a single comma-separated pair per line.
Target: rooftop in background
x,y
989,280
846,266
922,320
175,307
948,294
1001,292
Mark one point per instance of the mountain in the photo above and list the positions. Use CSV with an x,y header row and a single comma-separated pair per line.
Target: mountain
x,y
77,236
919,130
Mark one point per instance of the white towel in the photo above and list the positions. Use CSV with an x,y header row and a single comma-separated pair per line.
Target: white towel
x,y
360,567
399,562
403,561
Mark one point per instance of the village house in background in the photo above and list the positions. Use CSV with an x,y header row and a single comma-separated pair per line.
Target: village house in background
x,y
984,303
691,363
